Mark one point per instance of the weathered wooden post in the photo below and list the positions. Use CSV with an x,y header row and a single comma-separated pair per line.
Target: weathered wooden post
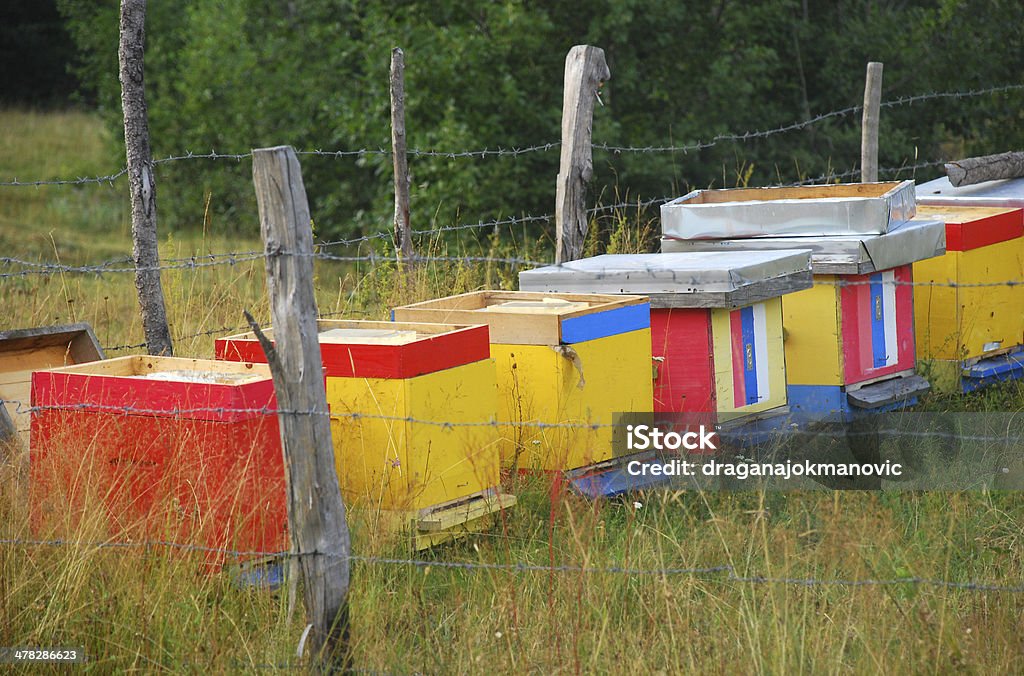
x,y
869,123
316,512
585,71
403,241
145,254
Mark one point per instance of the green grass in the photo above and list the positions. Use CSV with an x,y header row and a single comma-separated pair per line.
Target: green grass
x,y
154,610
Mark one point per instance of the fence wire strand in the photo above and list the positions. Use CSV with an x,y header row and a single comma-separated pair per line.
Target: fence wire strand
x,y
540,147
725,573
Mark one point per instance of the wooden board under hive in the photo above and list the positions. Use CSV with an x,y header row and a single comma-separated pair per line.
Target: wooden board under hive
x,y
565,364
970,321
23,351
163,448
413,410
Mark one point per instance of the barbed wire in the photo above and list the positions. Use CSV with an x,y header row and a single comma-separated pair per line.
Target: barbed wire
x,y
541,147
787,426
796,126
198,262
719,573
231,259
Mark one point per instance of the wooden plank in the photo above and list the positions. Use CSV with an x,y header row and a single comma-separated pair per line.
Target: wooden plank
x,y
452,517
887,392
316,512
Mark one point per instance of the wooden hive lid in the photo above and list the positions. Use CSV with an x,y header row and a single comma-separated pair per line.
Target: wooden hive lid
x,y
536,318
373,349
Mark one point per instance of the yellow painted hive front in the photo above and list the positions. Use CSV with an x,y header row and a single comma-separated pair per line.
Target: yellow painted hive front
x,y
410,444
576,388
971,312
812,334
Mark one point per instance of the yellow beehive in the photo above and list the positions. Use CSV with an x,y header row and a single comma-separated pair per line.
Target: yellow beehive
x,y
565,364
970,313
413,421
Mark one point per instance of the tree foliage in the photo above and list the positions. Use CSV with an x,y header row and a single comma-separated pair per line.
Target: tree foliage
x,y
238,74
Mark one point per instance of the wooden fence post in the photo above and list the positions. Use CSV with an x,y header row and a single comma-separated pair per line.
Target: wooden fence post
x,y
145,254
869,123
316,512
585,71
403,241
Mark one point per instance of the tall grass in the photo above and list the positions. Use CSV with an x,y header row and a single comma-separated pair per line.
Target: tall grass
x,y
153,609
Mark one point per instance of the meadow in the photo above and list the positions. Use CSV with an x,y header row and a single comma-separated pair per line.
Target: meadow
x,y
667,582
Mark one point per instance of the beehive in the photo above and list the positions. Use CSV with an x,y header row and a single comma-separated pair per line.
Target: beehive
x,y
566,363
970,324
412,418
716,322
849,343
25,350
181,449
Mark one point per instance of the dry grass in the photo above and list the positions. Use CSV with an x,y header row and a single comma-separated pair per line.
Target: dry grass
x,y
152,609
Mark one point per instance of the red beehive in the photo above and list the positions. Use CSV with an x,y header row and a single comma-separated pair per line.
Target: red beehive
x,y
166,448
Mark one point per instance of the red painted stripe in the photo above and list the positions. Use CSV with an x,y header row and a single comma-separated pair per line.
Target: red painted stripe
x,y
159,398
681,337
855,304
427,355
739,384
967,235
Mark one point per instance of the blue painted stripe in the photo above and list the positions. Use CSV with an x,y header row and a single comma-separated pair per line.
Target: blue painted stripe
x,y
878,350
608,323
749,355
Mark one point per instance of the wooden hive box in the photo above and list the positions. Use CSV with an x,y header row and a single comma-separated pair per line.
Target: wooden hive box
x,y
849,340
844,209
392,389
564,360
716,322
170,448
970,325
23,351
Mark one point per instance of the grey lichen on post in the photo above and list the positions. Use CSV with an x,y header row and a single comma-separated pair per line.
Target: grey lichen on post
x,y
403,241
585,72
988,168
316,512
869,123
145,253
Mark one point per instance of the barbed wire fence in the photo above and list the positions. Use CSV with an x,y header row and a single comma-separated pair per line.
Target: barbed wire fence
x,y
17,267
